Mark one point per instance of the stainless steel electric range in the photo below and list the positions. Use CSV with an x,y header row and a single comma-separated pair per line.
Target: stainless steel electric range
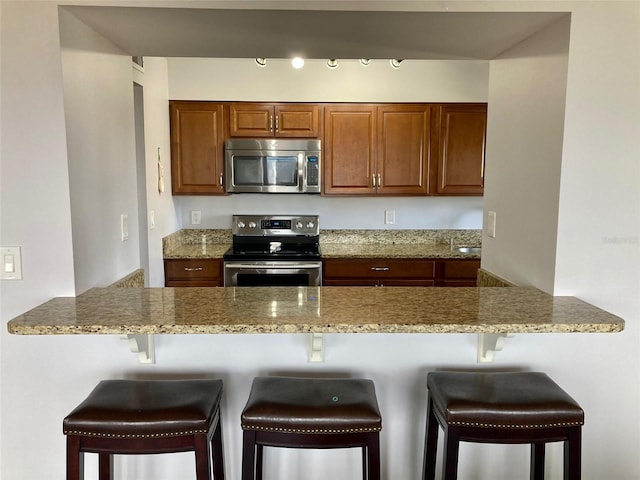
x,y
274,250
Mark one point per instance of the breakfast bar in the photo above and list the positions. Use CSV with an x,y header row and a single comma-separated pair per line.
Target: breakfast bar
x,y
492,312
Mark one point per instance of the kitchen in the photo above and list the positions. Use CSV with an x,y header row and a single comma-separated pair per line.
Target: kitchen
x,y
555,261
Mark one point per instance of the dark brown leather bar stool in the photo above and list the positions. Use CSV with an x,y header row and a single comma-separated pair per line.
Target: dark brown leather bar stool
x,y
522,407
311,413
147,417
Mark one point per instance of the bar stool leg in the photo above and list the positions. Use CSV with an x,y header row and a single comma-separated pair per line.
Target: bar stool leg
x,y
249,455
430,444
373,457
572,455
217,452
203,465
451,448
259,462
75,458
105,466
537,461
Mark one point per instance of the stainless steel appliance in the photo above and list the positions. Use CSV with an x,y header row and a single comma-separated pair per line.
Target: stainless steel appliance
x,y
274,250
272,166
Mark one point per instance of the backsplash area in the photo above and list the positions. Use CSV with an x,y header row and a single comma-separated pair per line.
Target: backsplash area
x,y
434,237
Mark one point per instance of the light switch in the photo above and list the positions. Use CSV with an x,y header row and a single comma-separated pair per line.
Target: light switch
x,y
196,217
389,217
11,263
152,219
124,227
490,229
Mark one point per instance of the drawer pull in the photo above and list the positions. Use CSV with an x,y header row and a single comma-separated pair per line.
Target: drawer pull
x,y
380,269
193,269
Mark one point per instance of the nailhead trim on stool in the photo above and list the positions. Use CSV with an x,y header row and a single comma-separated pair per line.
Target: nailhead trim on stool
x,y
311,413
147,417
509,407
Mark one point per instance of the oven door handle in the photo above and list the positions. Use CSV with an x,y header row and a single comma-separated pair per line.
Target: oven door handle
x,y
278,265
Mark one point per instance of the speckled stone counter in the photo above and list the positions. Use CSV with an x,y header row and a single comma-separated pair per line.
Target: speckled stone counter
x,y
313,309
339,243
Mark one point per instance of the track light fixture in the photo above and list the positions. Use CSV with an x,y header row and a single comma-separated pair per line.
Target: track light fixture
x,y
395,63
332,63
261,62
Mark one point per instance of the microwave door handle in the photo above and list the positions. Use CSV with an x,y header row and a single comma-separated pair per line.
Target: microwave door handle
x,y
302,174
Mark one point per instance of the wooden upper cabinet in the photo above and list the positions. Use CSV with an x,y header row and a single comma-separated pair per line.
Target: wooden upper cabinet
x,y
197,137
403,149
460,149
349,150
376,149
274,120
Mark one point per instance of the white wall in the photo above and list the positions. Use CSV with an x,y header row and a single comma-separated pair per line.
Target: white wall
x,y
154,80
415,81
524,153
43,378
98,100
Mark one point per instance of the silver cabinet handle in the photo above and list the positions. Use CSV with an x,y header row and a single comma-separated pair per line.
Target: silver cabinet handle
x,y
379,181
380,269
277,118
271,123
193,269
373,180
221,180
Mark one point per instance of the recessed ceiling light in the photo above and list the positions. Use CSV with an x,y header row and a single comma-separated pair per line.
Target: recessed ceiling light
x,y
365,61
297,62
332,63
395,63
262,62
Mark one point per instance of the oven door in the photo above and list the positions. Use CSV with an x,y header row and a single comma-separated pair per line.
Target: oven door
x,y
263,273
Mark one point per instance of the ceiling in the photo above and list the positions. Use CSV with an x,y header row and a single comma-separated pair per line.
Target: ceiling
x,y
226,33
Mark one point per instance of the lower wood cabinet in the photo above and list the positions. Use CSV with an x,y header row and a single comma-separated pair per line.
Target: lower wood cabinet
x,y
404,272
460,273
379,272
206,272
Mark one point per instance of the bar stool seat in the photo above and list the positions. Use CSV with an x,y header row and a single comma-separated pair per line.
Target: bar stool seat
x,y
311,413
513,407
147,417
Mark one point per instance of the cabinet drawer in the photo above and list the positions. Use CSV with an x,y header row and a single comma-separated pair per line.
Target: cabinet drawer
x,y
195,273
454,269
379,268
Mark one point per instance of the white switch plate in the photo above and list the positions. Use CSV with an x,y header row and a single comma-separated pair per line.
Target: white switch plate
x,y
389,217
152,219
196,217
124,227
11,263
490,229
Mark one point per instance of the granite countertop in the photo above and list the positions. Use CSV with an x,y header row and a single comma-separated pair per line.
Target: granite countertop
x,y
313,309
197,244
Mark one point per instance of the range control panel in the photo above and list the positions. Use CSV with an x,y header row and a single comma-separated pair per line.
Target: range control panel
x,y
267,225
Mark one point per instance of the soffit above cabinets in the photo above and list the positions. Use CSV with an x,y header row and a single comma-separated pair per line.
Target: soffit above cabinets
x,y
246,33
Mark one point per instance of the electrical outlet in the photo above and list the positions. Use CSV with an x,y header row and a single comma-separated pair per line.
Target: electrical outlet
x,y
389,217
196,217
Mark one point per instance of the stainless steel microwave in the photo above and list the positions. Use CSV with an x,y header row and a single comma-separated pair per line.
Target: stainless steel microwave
x,y
272,165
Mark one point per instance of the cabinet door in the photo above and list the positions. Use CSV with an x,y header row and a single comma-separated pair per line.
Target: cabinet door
x,y
268,120
297,121
204,272
460,273
349,149
251,120
378,271
461,144
197,161
403,149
